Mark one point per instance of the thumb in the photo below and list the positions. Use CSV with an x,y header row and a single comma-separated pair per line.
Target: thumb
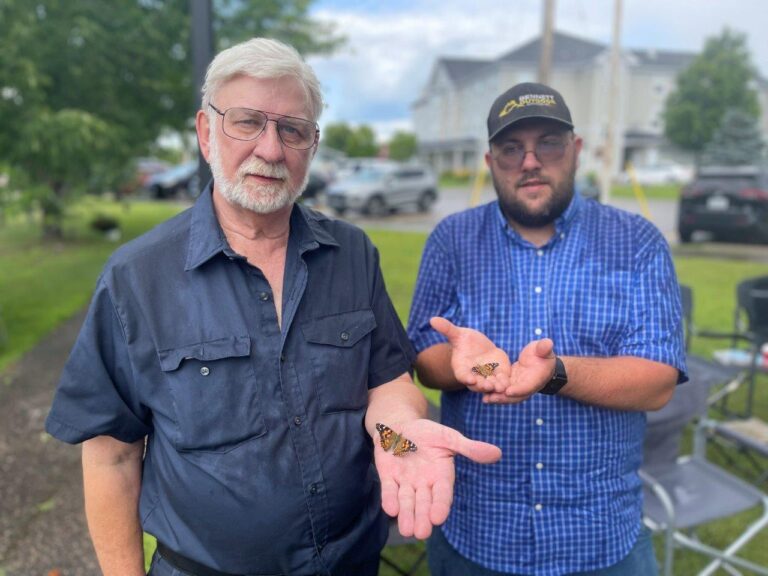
x,y
445,327
544,348
475,450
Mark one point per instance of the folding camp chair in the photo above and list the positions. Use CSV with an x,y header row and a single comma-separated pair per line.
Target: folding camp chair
x,y
750,324
741,438
396,540
682,493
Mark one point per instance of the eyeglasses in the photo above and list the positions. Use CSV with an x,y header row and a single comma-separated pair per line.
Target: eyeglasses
x,y
247,124
510,155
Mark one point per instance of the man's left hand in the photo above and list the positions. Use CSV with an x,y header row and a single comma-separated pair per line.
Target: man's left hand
x,y
417,487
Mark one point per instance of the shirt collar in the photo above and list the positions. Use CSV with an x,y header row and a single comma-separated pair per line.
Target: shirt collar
x,y
206,238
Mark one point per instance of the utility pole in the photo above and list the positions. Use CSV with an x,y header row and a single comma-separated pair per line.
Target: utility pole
x,y
609,145
547,27
201,15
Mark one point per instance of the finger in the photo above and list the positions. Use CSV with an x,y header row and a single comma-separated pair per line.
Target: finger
x,y
544,348
389,500
480,452
445,327
422,524
405,522
442,498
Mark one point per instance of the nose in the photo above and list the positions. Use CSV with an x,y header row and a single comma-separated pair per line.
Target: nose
x,y
530,161
268,145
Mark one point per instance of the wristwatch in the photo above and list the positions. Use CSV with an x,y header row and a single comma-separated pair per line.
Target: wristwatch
x,y
559,379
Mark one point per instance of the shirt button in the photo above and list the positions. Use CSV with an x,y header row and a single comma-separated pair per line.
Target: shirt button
x,y
313,488
537,289
345,336
264,296
539,252
297,421
538,331
539,422
539,465
538,507
204,371
282,358
562,235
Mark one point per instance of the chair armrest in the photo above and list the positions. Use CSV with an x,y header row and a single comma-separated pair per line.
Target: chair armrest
x,y
660,492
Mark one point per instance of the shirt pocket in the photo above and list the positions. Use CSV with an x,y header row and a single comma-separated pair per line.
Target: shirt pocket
x,y
339,348
215,393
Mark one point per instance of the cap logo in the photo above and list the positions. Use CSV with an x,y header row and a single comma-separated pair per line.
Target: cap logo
x,y
528,100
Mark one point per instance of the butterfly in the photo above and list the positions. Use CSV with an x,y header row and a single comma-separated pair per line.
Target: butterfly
x,y
485,370
389,438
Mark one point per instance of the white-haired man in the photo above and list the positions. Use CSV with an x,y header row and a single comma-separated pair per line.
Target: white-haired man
x,y
234,358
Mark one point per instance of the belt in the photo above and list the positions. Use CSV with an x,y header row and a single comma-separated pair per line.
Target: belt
x,y
186,565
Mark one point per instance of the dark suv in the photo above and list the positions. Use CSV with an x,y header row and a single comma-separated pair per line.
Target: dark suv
x,y
729,202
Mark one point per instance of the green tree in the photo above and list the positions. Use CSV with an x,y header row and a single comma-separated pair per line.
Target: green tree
x,y
402,146
357,142
721,77
363,143
337,135
124,68
736,142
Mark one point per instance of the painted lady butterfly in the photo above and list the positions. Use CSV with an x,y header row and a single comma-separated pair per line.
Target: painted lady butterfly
x,y
389,438
485,370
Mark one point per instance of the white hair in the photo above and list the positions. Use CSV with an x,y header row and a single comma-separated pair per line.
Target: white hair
x,y
262,58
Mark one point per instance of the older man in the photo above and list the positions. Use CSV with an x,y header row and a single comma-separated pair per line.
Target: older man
x,y
233,359
583,298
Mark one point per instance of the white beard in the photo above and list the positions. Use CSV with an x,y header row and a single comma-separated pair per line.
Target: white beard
x,y
259,198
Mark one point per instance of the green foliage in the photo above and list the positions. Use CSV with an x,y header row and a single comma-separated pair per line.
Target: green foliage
x,y
721,77
286,20
402,146
357,142
736,142
81,77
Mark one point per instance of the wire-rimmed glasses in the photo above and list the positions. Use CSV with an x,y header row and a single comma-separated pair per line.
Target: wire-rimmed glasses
x,y
248,124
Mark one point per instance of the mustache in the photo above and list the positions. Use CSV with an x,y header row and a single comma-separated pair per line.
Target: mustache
x,y
258,167
528,177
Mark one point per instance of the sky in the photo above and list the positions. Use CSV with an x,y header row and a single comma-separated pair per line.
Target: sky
x,y
392,44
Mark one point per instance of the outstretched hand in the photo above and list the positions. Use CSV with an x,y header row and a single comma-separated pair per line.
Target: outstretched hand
x,y
533,369
470,348
509,383
417,487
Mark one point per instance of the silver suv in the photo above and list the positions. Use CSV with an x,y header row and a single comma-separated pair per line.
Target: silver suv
x,y
379,188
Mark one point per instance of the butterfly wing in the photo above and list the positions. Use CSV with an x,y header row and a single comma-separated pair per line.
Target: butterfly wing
x,y
387,436
403,446
485,370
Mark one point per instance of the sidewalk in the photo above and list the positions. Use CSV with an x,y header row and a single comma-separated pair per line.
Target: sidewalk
x,y
42,523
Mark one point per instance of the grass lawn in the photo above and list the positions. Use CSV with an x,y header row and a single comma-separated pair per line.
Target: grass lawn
x,y
43,284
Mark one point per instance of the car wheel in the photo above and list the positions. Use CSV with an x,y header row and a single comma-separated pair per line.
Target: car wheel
x,y
685,235
376,207
426,200
339,211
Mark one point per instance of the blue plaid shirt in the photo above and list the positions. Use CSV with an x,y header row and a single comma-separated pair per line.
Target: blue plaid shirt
x,y
566,496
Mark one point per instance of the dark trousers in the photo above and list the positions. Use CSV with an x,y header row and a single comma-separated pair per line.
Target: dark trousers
x,y
161,567
444,560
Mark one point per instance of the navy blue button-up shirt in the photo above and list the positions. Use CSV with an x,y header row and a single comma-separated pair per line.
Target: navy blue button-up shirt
x,y
257,459
566,497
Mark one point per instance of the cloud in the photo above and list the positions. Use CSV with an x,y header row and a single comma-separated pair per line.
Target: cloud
x,y
393,45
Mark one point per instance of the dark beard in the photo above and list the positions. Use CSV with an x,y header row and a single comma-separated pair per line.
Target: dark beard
x,y
517,212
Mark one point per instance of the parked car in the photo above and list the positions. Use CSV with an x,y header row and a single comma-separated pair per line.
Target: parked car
x,y
178,179
729,202
661,173
378,188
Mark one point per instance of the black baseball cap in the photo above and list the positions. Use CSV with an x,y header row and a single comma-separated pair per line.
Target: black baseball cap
x,y
527,100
